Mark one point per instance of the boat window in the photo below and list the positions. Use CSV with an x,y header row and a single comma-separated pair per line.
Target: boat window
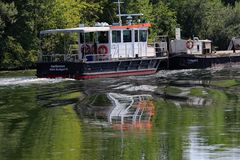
x,y
116,36
81,37
86,37
136,35
143,35
102,37
127,36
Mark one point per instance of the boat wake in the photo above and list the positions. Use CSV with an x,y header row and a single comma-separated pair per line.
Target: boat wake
x,y
170,73
23,81
132,88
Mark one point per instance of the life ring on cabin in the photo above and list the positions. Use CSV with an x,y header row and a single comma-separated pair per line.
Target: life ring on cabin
x,y
102,49
85,48
189,44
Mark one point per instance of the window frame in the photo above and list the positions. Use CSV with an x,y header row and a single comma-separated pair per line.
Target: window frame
x,y
117,38
145,37
136,32
129,40
99,34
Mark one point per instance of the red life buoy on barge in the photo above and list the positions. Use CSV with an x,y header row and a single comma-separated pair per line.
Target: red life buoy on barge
x,y
189,44
102,49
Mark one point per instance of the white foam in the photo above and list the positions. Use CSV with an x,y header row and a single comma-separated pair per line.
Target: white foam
x,y
142,88
123,86
168,73
28,81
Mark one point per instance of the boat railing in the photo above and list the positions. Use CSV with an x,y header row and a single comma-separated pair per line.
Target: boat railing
x,y
97,57
59,58
161,45
73,49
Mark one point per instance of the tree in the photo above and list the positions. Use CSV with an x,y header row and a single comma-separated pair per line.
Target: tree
x,y
164,19
140,6
7,18
33,16
7,15
216,26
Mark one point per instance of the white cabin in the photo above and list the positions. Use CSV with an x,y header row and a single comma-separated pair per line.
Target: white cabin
x,y
195,46
107,42
117,42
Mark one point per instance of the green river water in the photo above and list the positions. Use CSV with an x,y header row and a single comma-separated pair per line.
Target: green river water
x,y
173,115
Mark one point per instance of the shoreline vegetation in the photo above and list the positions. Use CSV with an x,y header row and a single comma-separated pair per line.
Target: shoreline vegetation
x,y
17,73
21,22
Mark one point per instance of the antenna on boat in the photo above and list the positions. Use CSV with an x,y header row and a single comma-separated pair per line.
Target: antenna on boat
x,y
129,16
119,11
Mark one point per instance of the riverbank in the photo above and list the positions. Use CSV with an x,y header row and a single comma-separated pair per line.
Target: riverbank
x,y
18,73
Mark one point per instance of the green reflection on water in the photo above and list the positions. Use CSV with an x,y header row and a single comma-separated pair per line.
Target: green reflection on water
x,y
199,92
55,133
39,122
31,131
226,83
212,120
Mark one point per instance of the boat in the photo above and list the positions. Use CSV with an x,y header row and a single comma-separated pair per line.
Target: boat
x,y
198,54
99,51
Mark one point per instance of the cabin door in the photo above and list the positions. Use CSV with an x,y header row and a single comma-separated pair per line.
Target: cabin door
x,y
142,44
127,47
123,45
136,45
116,43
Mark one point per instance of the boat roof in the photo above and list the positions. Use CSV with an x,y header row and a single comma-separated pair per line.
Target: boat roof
x,y
205,40
94,29
78,30
141,25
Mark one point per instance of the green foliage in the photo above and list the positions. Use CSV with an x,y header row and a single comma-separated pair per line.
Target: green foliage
x,y
19,73
7,15
141,6
20,26
21,21
164,19
214,25
14,54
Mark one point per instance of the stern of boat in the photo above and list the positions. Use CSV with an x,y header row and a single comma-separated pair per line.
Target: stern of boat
x,y
58,70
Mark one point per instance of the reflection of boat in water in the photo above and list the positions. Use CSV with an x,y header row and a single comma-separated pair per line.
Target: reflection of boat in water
x,y
131,111
193,101
186,93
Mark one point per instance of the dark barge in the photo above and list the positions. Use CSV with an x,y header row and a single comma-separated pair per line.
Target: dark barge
x,y
184,61
196,53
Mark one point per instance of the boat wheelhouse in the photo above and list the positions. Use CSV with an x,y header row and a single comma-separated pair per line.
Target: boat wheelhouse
x,y
99,51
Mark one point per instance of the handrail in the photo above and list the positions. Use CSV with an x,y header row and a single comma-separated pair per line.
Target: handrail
x,y
97,57
60,58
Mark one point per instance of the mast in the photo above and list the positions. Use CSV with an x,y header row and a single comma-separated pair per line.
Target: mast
x,y
119,11
129,16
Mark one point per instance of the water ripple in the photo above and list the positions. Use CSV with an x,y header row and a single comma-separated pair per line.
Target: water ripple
x,y
22,81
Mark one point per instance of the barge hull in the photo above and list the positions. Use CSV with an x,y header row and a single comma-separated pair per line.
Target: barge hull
x,y
201,62
101,69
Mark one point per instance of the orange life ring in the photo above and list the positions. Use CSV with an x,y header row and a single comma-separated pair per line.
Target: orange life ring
x,y
102,49
189,44
85,48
